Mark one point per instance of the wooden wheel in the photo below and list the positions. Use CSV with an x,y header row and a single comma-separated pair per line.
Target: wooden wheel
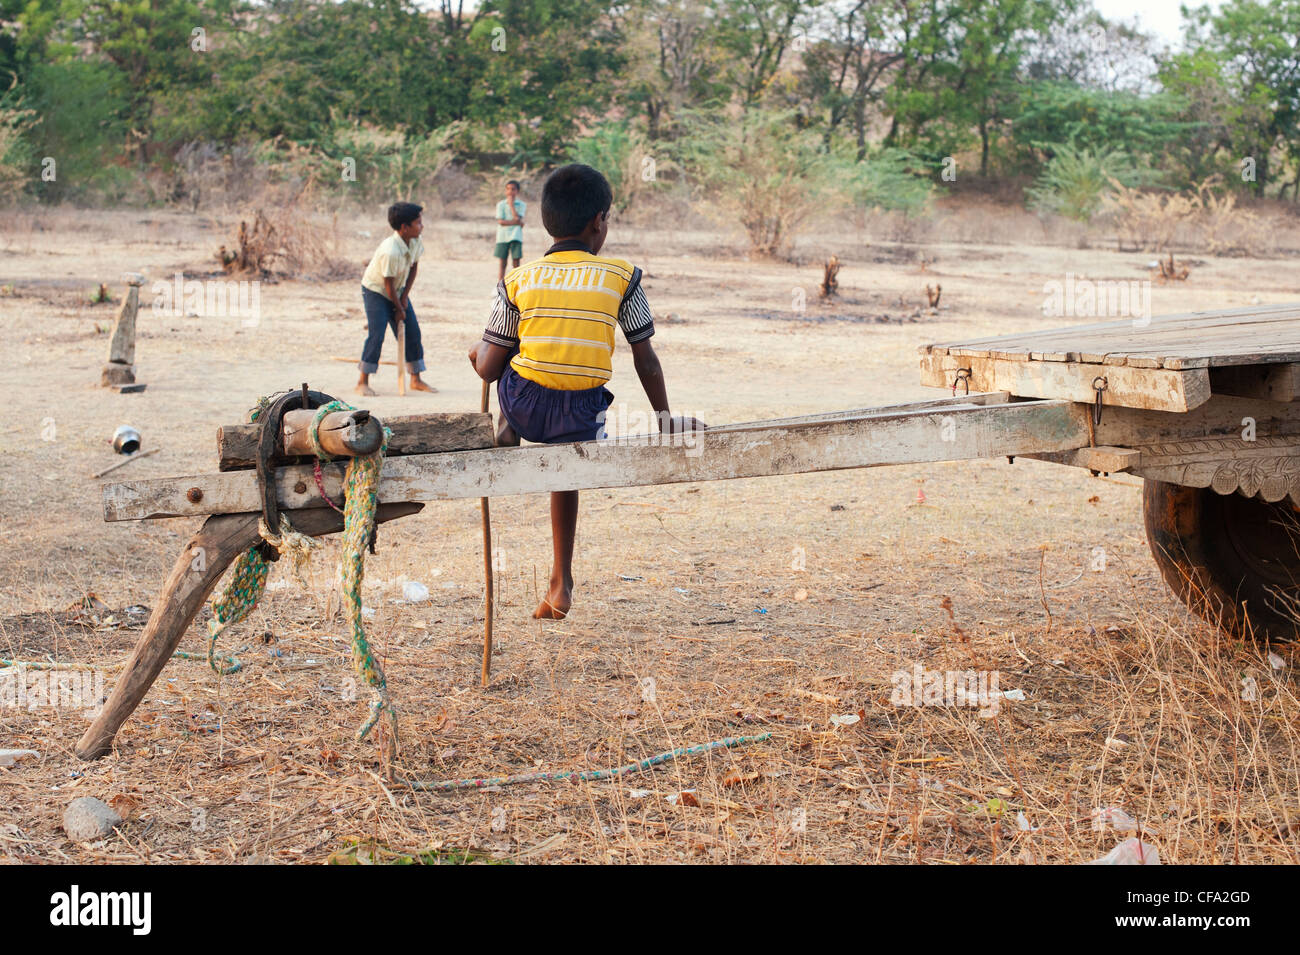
x,y
1232,559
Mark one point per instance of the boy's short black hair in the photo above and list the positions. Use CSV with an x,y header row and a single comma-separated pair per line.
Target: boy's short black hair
x,y
573,196
403,213
514,182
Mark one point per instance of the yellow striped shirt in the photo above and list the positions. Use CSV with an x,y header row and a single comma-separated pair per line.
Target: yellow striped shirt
x,y
561,310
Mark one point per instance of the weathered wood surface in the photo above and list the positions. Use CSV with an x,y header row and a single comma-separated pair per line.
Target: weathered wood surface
x,y
1241,336
1230,444
341,433
194,576
412,434
945,434
1157,389
960,401
1168,363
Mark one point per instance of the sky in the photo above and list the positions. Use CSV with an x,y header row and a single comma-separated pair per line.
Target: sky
x,y
1160,17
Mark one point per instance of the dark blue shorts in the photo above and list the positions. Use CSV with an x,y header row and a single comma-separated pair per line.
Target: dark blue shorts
x,y
549,416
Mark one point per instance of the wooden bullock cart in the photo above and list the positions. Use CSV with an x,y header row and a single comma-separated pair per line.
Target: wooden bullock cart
x,y
1202,406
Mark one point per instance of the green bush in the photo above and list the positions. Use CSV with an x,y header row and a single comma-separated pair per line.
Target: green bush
x,y
620,151
390,163
770,174
78,107
17,169
1076,181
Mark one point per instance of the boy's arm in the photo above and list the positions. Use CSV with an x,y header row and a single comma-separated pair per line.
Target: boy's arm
x,y
410,280
390,288
651,374
488,357
637,322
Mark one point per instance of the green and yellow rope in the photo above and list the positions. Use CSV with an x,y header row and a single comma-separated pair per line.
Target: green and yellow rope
x,y
248,579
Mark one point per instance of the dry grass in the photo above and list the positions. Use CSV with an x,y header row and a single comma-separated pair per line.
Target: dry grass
x,y
1145,714
287,242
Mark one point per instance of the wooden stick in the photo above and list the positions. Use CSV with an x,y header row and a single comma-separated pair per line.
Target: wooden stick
x,y
401,354
121,464
353,361
195,574
489,602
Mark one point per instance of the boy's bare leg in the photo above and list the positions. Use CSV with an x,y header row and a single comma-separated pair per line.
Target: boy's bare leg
x,y
564,529
419,384
501,269
363,385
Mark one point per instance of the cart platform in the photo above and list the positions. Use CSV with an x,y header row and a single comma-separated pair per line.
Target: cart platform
x,y
1168,363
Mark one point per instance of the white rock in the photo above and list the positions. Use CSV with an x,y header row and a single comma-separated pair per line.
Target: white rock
x,y
89,820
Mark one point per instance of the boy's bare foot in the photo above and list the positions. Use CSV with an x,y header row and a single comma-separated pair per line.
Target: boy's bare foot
x,y
555,605
366,390
419,384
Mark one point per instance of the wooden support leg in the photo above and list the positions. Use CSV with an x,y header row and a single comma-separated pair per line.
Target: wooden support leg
x,y
488,583
219,541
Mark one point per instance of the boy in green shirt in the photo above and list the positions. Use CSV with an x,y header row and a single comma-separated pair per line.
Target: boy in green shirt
x,y
510,228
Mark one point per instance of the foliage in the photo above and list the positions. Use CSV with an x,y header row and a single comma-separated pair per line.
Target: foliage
x,y
621,152
15,158
767,173
119,89
1076,181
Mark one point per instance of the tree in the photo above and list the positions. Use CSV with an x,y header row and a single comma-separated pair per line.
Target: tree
x,y
1244,65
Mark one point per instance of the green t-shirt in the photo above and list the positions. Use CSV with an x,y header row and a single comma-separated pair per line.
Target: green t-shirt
x,y
510,233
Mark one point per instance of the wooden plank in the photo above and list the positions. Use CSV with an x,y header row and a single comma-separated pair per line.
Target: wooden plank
x,y
412,434
1107,460
905,438
960,401
1231,337
1153,388
1222,416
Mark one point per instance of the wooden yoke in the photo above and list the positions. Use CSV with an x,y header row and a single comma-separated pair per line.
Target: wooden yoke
x,y
195,574
223,537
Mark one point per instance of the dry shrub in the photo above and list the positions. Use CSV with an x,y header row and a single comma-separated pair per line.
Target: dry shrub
x,y
1147,221
1209,222
289,243
1226,229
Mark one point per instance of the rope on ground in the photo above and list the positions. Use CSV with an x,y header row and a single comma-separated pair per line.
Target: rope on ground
x,y
581,775
235,663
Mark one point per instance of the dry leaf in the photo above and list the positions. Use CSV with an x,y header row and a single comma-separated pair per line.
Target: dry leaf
x,y
125,805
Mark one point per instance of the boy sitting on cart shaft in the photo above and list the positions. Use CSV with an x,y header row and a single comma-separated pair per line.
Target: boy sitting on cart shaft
x,y
550,340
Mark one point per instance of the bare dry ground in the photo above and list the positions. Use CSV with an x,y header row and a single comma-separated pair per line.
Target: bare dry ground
x,y
761,606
